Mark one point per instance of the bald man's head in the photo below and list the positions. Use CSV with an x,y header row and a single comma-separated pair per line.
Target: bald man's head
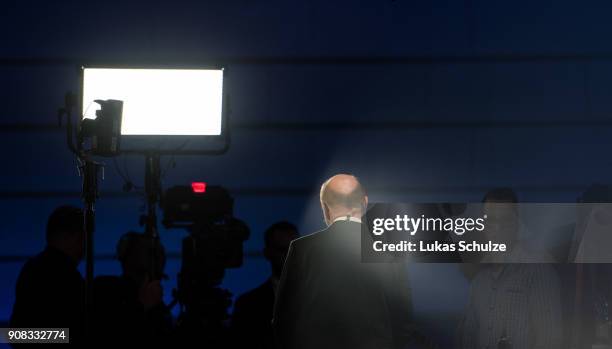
x,y
342,195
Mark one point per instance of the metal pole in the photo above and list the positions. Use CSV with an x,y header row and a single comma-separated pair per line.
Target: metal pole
x,y
153,192
90,194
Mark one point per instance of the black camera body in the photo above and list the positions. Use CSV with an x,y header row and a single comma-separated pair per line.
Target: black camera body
x,y
184,208
216,236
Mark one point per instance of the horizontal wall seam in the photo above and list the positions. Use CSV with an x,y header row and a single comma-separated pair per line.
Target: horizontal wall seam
x,y
311,60
19,127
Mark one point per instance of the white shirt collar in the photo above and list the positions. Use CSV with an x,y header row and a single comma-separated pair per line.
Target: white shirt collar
x,y
347,218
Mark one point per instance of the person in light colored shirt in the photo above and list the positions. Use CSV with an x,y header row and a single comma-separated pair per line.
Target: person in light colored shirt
x,y
514,302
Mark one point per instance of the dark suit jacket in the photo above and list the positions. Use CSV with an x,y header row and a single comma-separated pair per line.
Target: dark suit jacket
x,y
327,298
252,318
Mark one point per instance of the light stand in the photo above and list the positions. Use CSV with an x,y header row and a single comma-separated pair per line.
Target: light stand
x,y
103,135
89,172
153,192
104,132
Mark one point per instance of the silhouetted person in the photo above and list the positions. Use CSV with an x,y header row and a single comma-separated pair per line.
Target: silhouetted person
x,y
472,262
50,289
328,298
515,299
588,282
131,306
252,317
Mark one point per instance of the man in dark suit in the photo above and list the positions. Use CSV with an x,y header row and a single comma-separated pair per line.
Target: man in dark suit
x,y
49,290
252,317
328,298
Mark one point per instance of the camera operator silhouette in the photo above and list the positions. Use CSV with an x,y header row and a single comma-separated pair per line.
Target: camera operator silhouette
x,y
328,298
130,306
252,317
49,291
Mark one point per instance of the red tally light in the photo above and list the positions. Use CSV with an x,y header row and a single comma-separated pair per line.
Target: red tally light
x,y
198,187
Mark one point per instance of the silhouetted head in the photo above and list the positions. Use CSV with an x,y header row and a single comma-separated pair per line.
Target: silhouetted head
x,y
65,231
342,195
596,193
277,239
500,195
500,206
142,257
593,196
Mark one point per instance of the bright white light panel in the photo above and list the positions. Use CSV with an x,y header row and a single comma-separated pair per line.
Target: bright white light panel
x,y
159,101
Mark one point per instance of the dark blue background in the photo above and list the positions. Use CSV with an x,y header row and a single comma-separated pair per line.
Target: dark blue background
x,y
424,100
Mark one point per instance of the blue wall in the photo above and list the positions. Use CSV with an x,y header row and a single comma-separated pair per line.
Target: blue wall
x,y
425,101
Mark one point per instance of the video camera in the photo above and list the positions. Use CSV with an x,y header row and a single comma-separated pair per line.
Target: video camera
x,y
213,245
207,213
